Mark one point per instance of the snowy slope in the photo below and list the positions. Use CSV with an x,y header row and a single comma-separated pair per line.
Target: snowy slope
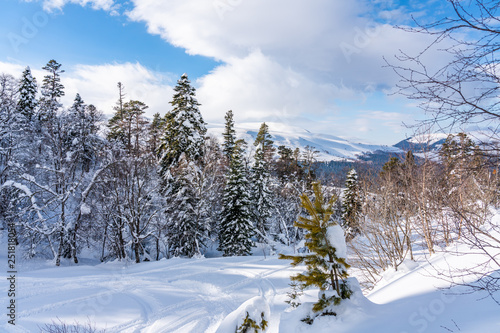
x,y
211,295
330,147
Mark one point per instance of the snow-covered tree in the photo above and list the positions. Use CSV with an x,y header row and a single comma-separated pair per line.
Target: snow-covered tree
x,y
326,262
262,203
236,230
185,227
11,135
27,103
180,168
229,135
351,206
184,128
131,198
83,132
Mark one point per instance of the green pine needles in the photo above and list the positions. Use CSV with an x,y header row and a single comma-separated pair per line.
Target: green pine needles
x,y
250,325
326,264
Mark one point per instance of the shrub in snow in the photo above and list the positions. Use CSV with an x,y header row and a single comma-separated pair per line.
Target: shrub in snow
x,y
325,262
62,327
250,325
294,295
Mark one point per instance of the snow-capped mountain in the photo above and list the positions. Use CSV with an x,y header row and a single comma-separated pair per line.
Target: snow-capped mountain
x,y
433,142
330,147
423,143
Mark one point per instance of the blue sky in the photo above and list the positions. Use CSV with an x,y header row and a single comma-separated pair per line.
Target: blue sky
x,y
316,65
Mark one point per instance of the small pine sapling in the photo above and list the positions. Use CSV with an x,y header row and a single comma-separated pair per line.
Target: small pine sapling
x,y
249,325
294,295
325,262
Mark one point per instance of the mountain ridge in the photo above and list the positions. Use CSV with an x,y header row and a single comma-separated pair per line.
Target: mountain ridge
x,y
329,147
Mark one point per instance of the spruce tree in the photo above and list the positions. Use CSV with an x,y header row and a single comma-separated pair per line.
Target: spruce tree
x,y
229,135
261,193
325,263
181,159
186,235
184,127
351,206
236,229
27,103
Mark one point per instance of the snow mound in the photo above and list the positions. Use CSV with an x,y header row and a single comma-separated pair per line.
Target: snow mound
x,y
350,313
336,239
257,308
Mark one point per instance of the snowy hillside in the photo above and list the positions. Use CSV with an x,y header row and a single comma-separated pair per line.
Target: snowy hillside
x,y
212,294
330,147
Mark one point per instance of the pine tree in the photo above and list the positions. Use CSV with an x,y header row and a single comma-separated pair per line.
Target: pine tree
x,y
52,91
184,128
264,143
261,193
351,206
135,127
229,135
236,229
27,102
326,264
128,127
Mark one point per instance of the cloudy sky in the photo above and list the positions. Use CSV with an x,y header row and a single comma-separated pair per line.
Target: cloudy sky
x,y
316,64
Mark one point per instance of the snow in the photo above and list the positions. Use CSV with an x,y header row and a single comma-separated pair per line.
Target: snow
x,y
214,294
255,307
336,238
85,209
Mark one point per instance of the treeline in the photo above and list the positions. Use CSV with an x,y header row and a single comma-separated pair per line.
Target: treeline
x,y
139,188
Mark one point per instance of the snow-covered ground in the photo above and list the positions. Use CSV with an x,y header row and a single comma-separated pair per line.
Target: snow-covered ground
x,y
201,295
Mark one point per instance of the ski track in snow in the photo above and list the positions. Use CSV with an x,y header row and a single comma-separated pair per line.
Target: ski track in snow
x,y
194,295
190,308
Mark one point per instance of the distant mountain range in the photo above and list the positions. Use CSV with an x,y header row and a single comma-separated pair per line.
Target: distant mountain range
x,y
331,148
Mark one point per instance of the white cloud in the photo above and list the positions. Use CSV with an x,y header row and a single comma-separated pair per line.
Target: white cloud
x,y
258,89
286,60
51,5
333,41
